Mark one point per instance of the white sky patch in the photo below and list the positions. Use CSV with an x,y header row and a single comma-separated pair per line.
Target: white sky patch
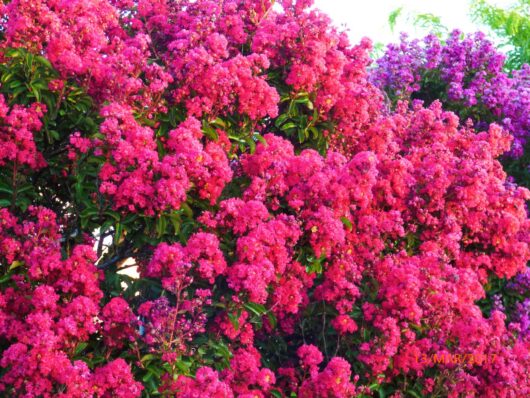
x,y
369,18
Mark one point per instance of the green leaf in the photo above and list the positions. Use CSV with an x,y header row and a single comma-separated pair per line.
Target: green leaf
x,y
315,132
392,18
220,123
255,308
54,135
187,210
374,386
80,347
234,320
251,144
302,135
115,215
19,90
209,131
4,187
15,264
260,138
14,84
305,101
23,203
161,225
29,59
414,393
347,223
147,357
272,320
281,119
130,218
25,188
118,233
175,221
35,91
184,367
147,377
315,264
43,61
288,126
89,212
221,350
6,277
14,52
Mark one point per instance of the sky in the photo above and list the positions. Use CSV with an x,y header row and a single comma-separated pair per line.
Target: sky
x,y
370,17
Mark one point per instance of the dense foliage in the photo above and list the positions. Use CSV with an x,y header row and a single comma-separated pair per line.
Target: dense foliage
x,y
295,234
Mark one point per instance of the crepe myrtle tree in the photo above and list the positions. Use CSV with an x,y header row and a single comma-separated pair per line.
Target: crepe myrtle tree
x,y
294,234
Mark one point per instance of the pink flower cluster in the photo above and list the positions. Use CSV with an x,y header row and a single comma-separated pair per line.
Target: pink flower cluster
x,y
138,178
86,40
245,378
47,311
319,60
17,141
119,323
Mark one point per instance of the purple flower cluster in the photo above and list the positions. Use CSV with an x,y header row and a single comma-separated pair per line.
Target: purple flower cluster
x,y
517,109
521,283
466,73
523,318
